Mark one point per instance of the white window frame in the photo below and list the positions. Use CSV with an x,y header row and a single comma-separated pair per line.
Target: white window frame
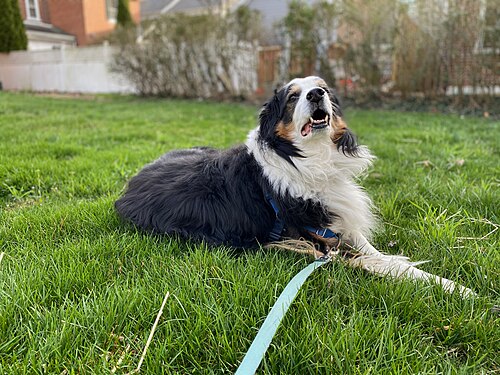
x,y
37,10
110,9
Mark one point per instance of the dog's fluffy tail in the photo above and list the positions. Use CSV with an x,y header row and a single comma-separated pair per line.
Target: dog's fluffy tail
x,y
300,246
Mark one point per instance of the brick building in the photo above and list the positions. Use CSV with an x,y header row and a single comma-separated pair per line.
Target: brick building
x,y
52,23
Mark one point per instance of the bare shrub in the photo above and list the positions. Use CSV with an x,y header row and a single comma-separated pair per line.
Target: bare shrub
x,y
307,33
366,31
192,56
346,39
425,48
437,46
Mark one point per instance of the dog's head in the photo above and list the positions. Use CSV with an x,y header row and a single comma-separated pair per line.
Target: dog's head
x,y
301,116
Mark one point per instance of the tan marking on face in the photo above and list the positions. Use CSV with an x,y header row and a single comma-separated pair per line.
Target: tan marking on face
x,y
339,128
294,89
320,82
285,131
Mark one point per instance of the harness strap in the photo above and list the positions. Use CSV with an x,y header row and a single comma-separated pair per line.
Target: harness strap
x,y
322,232
266,333
279,224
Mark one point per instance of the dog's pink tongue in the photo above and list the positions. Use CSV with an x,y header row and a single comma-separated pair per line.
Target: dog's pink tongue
x,y
306,129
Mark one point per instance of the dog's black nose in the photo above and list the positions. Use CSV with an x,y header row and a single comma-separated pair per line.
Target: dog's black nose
x,y
315,95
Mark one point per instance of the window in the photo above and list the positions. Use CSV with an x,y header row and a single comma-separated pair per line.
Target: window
x,y
491,33
111,9
32,10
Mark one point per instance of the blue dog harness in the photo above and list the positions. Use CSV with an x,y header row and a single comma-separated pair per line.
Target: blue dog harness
x,y
279,225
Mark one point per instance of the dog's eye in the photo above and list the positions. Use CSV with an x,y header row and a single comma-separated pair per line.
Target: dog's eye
x,y
293,97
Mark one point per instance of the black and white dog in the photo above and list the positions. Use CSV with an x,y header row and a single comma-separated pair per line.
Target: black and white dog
x,y
294,178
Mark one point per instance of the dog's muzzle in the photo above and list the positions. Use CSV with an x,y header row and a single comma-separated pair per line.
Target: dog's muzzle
x,y
319,119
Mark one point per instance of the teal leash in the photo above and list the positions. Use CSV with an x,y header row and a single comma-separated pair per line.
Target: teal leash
x,y
266,333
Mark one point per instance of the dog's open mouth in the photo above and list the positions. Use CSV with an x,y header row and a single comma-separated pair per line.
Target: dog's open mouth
x,y
319,120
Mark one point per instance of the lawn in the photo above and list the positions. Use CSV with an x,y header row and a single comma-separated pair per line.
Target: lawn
x,y
80,290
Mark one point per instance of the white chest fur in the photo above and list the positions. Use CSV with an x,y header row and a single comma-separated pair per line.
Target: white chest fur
x,y
325,175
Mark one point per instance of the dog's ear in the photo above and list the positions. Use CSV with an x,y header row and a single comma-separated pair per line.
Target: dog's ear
x,y
346,142
271,114
278,85
344,138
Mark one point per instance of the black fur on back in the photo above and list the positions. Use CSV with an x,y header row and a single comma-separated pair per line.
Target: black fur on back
x,y
200,193
215,196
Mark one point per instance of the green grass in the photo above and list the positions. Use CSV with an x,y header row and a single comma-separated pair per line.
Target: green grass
x,y
79,289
